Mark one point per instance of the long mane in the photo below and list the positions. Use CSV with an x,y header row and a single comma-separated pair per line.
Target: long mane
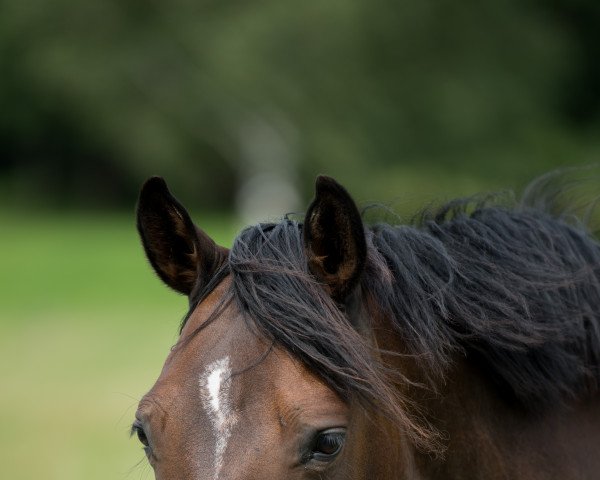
x,y
512,286
516,290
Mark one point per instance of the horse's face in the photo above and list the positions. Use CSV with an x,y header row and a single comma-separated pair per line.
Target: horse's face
x,y
230,404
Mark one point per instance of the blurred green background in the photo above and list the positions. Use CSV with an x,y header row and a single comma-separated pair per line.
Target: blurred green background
x,y
239,105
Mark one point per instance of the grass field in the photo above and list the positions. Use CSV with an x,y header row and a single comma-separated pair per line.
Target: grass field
x,y
84,329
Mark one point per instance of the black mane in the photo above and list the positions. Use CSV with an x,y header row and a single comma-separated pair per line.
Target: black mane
x,y
517,290
513,287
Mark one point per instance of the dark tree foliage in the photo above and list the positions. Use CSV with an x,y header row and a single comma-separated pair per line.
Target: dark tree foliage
x,y
97,95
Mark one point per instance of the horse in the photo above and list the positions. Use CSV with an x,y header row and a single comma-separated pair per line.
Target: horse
x,y
464,345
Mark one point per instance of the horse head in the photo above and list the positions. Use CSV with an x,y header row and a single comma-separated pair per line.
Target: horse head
x,y
276,373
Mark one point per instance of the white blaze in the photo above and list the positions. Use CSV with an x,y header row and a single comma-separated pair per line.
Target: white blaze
x,y
215,385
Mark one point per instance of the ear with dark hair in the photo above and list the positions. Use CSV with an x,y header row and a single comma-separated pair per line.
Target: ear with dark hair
x,y
181,254
334,238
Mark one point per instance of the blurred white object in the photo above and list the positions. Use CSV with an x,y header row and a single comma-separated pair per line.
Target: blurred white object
x,y
268,167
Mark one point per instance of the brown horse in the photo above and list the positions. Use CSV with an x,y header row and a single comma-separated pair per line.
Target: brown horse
x,y
466,346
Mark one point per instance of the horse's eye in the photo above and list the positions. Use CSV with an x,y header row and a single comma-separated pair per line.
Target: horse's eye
x,y
138,430
328,444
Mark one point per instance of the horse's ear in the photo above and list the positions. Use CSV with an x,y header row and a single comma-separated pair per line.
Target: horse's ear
x,y
334,238
181,254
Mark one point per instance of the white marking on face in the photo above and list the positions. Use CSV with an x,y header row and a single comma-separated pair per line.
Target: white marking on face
x,y
215,387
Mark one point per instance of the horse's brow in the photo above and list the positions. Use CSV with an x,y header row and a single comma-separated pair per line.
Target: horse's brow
x,y
149,401
152,403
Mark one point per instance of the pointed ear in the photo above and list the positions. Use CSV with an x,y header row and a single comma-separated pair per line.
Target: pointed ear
x,y
181,254
334,238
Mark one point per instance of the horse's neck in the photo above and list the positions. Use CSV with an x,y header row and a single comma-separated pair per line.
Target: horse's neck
x,y
473,424
487,437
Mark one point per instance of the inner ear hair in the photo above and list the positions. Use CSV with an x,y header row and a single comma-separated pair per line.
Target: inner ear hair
x,y
334,238
181,254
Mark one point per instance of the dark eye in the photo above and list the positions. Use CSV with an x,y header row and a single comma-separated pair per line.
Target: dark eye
x,y
138,430
328,444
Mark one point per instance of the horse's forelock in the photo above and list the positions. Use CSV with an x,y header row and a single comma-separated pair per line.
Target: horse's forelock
x,y
273,286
